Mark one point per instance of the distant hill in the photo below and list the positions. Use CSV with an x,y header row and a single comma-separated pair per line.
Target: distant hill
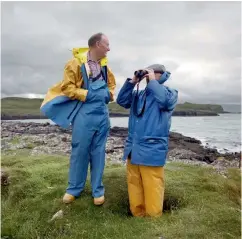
x,y
24,108
186,109
20,106
205,107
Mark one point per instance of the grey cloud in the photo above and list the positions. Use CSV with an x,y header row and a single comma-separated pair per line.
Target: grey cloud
x,y
199,42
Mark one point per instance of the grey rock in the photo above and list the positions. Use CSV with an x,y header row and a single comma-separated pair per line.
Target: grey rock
x,y
4,177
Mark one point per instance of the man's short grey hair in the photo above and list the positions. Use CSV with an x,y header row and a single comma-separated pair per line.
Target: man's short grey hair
x,y
94,39
157,67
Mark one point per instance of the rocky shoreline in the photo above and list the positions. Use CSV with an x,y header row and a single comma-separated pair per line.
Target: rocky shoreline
x,y
51,139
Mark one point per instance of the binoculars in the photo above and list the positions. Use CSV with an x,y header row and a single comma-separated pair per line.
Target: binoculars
x,y
141,73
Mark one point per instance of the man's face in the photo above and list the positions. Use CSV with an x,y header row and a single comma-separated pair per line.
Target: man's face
x,y
102,47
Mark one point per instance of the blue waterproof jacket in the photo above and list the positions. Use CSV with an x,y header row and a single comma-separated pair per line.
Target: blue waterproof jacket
x,y
149,121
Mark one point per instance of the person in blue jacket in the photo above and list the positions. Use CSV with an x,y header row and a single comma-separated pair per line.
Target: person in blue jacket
x,y
146,146
80,101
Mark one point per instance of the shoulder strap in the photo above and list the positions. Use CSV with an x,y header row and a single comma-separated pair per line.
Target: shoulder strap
x,y
105,73
84,75
139,113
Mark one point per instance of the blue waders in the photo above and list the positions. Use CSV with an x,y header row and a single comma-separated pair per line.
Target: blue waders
x,y
90,129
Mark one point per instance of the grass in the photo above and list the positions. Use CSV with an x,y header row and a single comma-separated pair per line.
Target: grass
x,y
208,204
15,140
14,106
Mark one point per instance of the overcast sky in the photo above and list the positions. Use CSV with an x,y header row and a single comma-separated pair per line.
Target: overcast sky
x,y
199,42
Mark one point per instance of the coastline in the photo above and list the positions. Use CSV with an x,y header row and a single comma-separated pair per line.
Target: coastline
x,y
44,138
113,115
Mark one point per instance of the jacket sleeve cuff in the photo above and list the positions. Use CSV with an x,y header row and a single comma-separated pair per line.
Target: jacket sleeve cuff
x,y
129,83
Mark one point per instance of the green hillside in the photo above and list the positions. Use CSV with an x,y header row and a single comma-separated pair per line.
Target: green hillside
x,y
206,107
14,106
20,106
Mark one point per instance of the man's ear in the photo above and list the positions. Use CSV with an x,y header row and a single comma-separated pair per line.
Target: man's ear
x,y
97,44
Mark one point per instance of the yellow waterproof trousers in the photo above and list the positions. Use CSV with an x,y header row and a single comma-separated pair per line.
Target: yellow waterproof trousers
x,y
145,189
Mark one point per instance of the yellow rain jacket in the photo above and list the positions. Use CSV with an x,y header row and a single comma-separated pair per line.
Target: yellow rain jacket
x,y
62,100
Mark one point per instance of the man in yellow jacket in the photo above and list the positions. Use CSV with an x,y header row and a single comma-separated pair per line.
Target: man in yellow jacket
x,y
81,100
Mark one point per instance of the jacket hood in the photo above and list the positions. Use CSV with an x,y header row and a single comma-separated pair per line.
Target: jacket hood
x,y
81,54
